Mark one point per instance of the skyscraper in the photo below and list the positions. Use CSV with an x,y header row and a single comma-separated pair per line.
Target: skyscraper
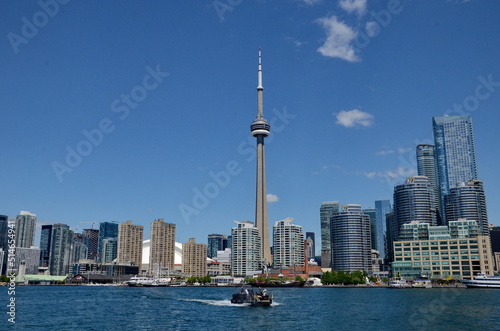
x,y
467,200
80,250
351,242
91,239
162,253
455,152
326,212
4,243
60,250
413,201
246,249
194,258
427,166
109,248
260,129
45,244
106,230
25,229
288,244
382,207
311,241
373,225
216,242
130,237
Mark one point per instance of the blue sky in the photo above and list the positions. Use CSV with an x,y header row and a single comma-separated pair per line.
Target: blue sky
x,y
124,110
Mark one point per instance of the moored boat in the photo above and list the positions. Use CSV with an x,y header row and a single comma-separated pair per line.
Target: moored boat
x,y
398,282
279,284
138,281
482,281
422,283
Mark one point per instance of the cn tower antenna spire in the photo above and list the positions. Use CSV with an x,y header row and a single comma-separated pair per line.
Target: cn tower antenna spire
x,y
260,88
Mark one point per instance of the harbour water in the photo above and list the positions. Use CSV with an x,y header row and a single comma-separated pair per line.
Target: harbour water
x,y
207,308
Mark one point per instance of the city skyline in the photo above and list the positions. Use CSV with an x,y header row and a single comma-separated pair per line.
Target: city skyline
x,y
345,125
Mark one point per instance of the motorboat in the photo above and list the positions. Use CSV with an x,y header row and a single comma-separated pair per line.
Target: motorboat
x,y
254,298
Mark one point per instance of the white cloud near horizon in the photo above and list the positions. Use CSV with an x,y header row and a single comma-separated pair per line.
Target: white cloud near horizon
x,y
354,6
385,152
397,175
311,2
354,117
272,198
339,37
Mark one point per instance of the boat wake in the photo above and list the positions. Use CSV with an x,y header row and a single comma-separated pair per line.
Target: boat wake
x,y
224,303
217,302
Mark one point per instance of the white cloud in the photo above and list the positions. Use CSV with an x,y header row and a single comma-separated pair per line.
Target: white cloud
x,y
351,118
404,150
311,2
351,6
272,198
397,175
370,174
372,29
386,152
339,37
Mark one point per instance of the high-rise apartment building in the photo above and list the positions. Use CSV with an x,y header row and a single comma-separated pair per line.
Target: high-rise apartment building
x,y
31,258
373,225
107,230
4,243
288,244
427,166
327,211
25,229
80,250
455,152
413,201
60,249
109,249
194,258
162,253
351,240
91,239
216,242
130,237
45,244
467,200
382,208
390,235
245,249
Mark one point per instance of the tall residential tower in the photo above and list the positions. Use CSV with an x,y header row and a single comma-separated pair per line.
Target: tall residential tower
x,y
260,129
455,152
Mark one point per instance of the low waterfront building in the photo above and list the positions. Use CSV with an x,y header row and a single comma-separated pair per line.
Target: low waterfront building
x,y
460,258
215,268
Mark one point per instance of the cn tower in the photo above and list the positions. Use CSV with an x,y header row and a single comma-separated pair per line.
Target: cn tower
x,y
260,129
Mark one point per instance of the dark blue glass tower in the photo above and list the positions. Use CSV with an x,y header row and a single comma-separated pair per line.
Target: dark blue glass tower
x,y
107,230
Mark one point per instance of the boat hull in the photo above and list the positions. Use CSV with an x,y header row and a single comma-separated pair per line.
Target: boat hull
x,y
482,281
255,299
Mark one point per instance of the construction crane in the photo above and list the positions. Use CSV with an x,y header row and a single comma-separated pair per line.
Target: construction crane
x,y
93,223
